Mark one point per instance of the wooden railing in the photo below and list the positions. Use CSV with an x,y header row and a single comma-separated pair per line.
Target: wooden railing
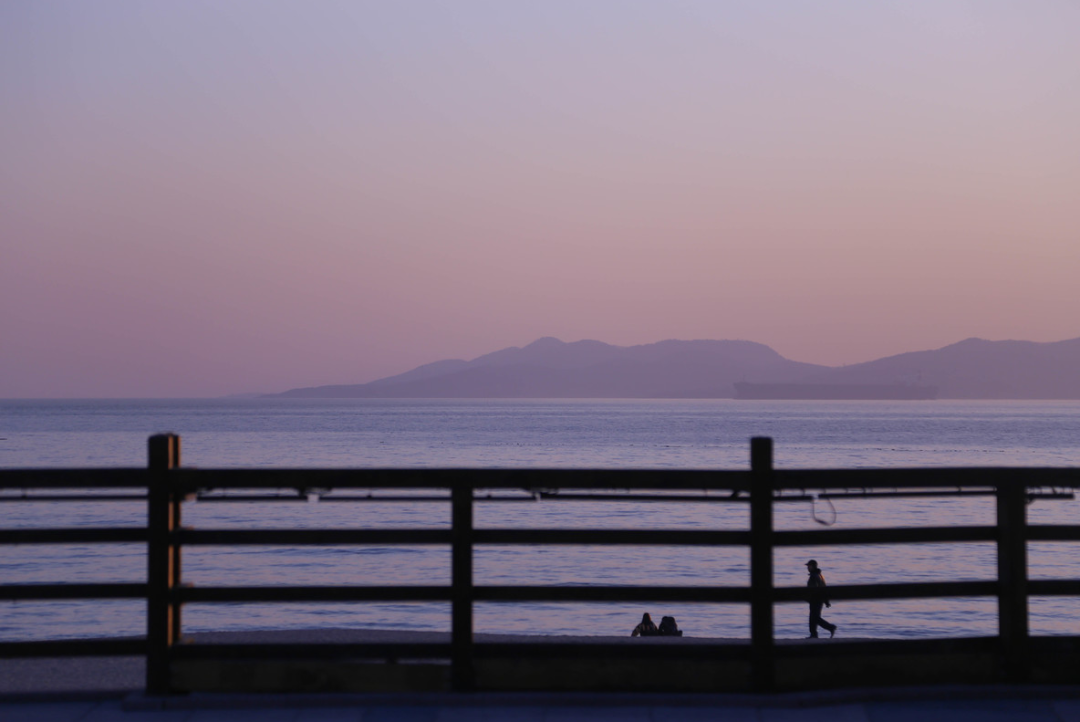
x,y
165,484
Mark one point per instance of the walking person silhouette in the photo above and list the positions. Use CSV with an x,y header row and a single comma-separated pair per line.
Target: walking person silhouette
x,y
816,597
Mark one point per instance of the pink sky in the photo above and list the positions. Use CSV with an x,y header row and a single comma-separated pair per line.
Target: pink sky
x,y
204,198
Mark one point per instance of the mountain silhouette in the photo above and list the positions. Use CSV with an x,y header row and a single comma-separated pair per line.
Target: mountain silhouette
x,y
550,368
977,369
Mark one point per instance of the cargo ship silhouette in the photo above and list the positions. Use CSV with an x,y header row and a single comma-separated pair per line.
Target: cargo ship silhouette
x,y
834,392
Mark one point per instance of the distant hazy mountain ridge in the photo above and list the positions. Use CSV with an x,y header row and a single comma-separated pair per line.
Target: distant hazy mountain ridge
x,y
549,368
978,369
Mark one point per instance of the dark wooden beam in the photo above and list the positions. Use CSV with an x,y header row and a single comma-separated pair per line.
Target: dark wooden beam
x,y
761,563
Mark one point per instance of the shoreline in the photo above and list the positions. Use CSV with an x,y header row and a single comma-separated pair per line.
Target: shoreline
x,y
123,675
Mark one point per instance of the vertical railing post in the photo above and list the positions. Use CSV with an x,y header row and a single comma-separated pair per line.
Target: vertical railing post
x,y
163,563
761,562
1012,579
176,506
461,613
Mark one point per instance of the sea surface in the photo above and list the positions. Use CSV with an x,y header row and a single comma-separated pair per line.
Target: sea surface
x,y
708,434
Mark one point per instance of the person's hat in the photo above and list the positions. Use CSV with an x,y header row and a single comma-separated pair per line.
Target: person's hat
x,y
812,563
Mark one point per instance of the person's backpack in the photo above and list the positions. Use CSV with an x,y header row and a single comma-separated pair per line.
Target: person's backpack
x,y
668,628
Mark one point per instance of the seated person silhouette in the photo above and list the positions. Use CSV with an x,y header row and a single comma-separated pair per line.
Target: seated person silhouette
x,y
646,628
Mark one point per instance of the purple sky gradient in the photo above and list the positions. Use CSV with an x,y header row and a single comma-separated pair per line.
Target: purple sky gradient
x,y
202,198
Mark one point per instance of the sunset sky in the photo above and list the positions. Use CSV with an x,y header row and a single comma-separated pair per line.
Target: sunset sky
x,y
209,197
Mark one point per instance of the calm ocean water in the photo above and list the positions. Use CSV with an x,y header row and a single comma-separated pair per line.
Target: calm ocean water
x,y
485,433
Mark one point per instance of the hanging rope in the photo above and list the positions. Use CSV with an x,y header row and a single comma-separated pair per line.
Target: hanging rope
x,y
830,518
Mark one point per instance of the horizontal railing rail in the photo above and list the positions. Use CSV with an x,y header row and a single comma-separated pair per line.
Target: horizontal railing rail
x,y
298,537
81,535
164,486
74,648
21,592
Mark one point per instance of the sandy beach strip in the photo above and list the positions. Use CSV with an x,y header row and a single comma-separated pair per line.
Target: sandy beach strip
x,y
121,675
